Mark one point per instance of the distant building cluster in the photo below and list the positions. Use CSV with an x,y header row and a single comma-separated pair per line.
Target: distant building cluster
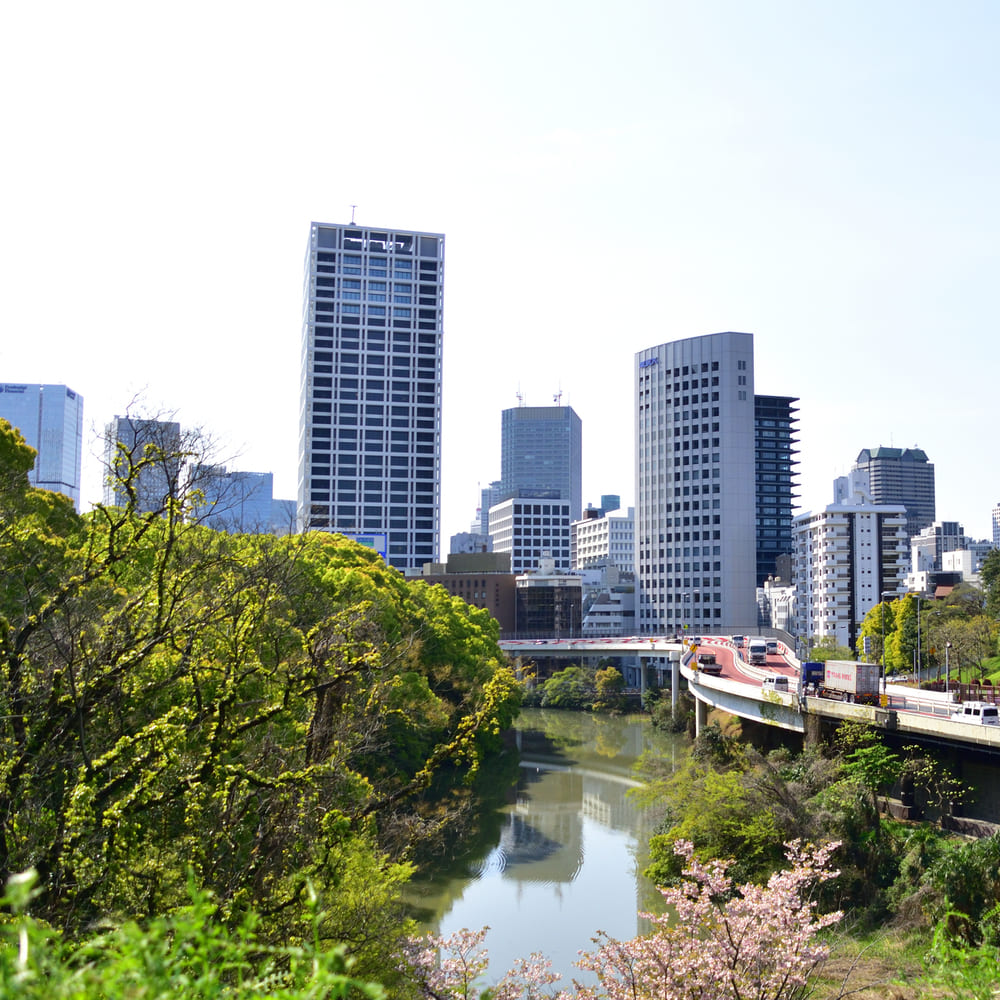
x,y
711,544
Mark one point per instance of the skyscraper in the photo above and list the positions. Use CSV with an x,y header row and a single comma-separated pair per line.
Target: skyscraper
x,y
775,461
50,419
695,490
143,463
541,449
370,415
900,476
541,486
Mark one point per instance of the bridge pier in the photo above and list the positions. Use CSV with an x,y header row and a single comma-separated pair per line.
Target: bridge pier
x,y
700,715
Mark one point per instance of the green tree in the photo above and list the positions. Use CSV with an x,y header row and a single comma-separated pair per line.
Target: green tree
x,y
879,622
609,690
266,711
826,648
571,688
989,574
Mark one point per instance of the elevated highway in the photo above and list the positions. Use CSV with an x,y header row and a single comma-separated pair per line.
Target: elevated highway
x,y
737,689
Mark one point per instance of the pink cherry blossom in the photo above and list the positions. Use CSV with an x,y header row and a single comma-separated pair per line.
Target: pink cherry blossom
x,y
713,942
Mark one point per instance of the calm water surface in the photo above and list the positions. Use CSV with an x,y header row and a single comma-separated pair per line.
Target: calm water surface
x,y
563,857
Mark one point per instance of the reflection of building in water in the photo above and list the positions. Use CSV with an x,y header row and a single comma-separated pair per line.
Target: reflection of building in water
x,y
544,837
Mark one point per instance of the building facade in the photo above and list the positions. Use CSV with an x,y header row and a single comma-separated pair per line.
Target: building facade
x,y
548,604
370,416
774,462
143,463
541,455
695,513
599,541
237,502
530,530
900,476
846,557
50,419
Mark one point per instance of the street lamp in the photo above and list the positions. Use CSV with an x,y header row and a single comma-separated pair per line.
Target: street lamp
x,y
947,668
883,596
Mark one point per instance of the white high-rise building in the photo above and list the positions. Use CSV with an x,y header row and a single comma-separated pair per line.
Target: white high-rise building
x,y
846,558
370,416
996,526
50,419
695,488
603,541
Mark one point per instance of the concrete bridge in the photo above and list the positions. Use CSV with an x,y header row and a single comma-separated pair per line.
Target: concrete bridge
x,y
922,716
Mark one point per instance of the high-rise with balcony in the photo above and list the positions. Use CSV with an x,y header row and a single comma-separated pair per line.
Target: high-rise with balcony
x,y
370,415
50,419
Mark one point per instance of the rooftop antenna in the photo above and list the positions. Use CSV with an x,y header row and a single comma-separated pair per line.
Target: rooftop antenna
x,y
520,397
353,207
557,398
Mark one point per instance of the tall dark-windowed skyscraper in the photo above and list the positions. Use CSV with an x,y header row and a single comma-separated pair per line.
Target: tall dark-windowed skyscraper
x,y
774,461
900,475
370,418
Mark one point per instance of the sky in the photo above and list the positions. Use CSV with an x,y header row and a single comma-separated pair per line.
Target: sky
x,y
609,177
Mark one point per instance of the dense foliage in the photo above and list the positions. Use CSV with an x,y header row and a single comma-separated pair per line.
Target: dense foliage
x,y
262,712
918,630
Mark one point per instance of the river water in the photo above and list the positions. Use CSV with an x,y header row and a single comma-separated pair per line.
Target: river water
x,y
562,857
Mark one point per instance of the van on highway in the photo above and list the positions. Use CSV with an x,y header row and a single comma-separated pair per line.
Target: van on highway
x,y
978,713
774,682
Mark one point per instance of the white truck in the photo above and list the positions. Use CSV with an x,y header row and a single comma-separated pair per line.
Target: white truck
x,y
757,652
850,681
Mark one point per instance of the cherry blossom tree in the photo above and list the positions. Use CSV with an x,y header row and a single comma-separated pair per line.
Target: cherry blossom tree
x,y
713,942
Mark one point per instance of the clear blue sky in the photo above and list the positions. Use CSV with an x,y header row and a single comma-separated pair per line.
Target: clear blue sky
x,y
610,176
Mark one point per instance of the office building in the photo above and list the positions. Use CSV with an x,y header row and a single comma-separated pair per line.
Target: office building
x,y
50,419
143,462
237,502
489,496
541,455
695,514
482,579
899,476
530,530
846,557
370,417
598,541
774,461
996,526
548,603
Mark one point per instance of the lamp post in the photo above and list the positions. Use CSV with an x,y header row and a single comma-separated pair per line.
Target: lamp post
x,y
947,669
883,596
920,661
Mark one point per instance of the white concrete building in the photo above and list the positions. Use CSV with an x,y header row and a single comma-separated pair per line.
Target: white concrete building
x,y
604,541
370,414
846,557
695,484
532,529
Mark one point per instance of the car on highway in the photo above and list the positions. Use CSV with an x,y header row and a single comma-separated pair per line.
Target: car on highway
x,y
774,682
772,646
